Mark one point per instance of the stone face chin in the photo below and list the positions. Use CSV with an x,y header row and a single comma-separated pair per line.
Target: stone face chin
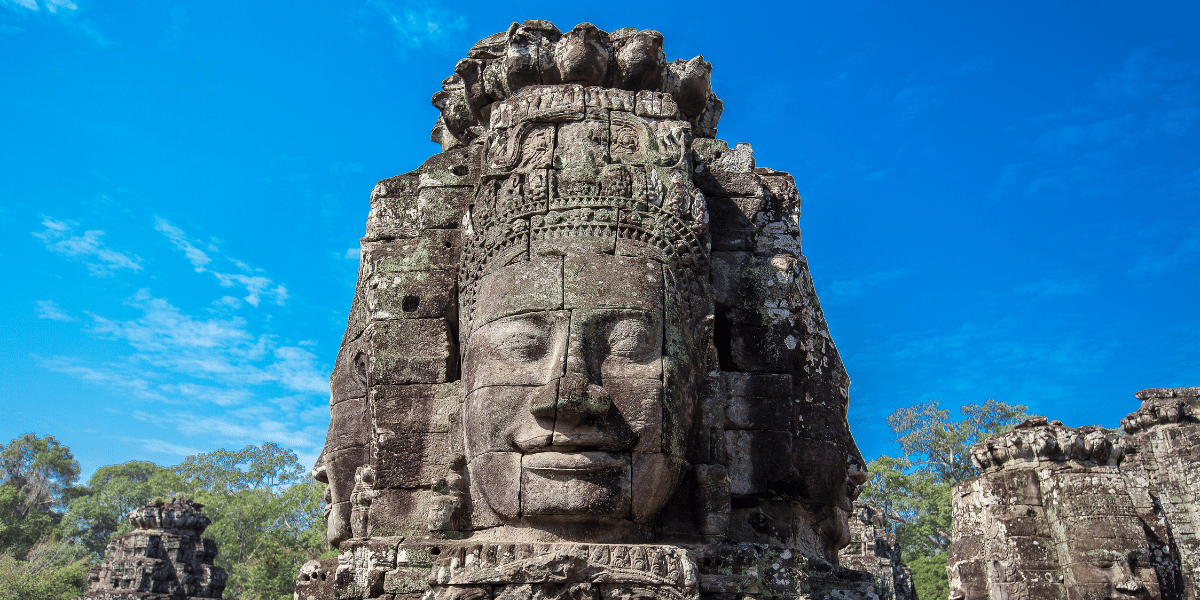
x,y
584,333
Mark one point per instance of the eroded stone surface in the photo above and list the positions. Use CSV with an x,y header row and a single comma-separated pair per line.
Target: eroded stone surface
x,y
1084,512
163,558
628,369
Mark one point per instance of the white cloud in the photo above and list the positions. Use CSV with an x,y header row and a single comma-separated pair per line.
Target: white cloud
x,y
60,237
257,286
352,253
49,309
1047,287
416,26
856,286
197,256
215,349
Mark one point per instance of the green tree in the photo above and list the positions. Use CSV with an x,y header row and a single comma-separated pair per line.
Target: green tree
x,y
50,570
914,490
97,511
36,474
266,512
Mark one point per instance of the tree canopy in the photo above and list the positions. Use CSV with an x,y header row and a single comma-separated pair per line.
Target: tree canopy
x,y
266,512
914,490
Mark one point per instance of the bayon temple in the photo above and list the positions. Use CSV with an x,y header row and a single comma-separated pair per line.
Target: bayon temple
x,y
585,361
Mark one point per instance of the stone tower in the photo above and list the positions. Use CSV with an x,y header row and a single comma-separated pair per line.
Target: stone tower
x,y
585,357
1085,512
164,558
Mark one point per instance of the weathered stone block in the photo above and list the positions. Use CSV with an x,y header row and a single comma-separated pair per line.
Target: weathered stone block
x,y
412,295
398,512
442,207
411,351
758,460
612,281
416,408
435,249
536,284
824,484
410,459
349,424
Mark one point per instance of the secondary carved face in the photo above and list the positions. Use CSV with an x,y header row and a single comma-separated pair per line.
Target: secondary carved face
x,y
572,407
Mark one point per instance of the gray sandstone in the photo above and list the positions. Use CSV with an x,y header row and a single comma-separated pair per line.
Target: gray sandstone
x,y
585,358
163,558
1084,513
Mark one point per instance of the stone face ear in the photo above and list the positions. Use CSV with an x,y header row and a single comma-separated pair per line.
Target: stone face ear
x,y
640,61
583,56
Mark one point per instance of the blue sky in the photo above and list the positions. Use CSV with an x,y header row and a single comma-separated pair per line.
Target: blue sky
x,y
1000,200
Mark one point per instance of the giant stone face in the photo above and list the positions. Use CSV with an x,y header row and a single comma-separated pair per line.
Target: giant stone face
x,y
586,321
571,405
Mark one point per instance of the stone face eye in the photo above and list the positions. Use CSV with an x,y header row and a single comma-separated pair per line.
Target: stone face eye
x,y
522,342
630,338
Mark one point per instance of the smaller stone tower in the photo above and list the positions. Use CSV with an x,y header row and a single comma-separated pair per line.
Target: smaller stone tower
x,y
163,559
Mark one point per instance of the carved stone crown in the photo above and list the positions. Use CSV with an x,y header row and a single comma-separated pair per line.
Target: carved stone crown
x,y
1037,440
537,53
1163,405
178,514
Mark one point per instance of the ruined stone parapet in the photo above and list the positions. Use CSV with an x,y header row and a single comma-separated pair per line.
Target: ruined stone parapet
x,y
163,559
1040,442
1163,405
1063,512
873,548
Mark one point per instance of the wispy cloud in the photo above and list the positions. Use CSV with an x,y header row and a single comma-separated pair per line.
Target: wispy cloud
x,y
221,350
1048,287
60,237
1150,99
416,25
51,5
857,285
49,309
257,286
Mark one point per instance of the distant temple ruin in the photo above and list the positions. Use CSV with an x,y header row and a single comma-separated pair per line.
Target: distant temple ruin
x,y
163,558
585,358
1084,512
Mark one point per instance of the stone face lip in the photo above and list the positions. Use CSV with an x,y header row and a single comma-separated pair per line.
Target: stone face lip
x,y
163,559
573,462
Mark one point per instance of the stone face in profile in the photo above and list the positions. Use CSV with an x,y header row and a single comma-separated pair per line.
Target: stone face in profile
x,y
584,340
163,558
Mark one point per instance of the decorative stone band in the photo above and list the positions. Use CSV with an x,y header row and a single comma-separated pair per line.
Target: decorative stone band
x,y
1161,406
628,65
626,226
178,515
564,563
1036,441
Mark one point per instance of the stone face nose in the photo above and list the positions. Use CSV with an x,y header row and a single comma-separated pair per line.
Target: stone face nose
x,y
580,401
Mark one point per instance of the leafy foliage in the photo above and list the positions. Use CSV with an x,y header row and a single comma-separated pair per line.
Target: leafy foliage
x,y
914,490
35,476
97,512
929,577
266,512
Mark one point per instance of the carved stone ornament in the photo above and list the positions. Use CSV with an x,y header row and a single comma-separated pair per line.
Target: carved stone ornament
x,y
163,558
585,357
1085,512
